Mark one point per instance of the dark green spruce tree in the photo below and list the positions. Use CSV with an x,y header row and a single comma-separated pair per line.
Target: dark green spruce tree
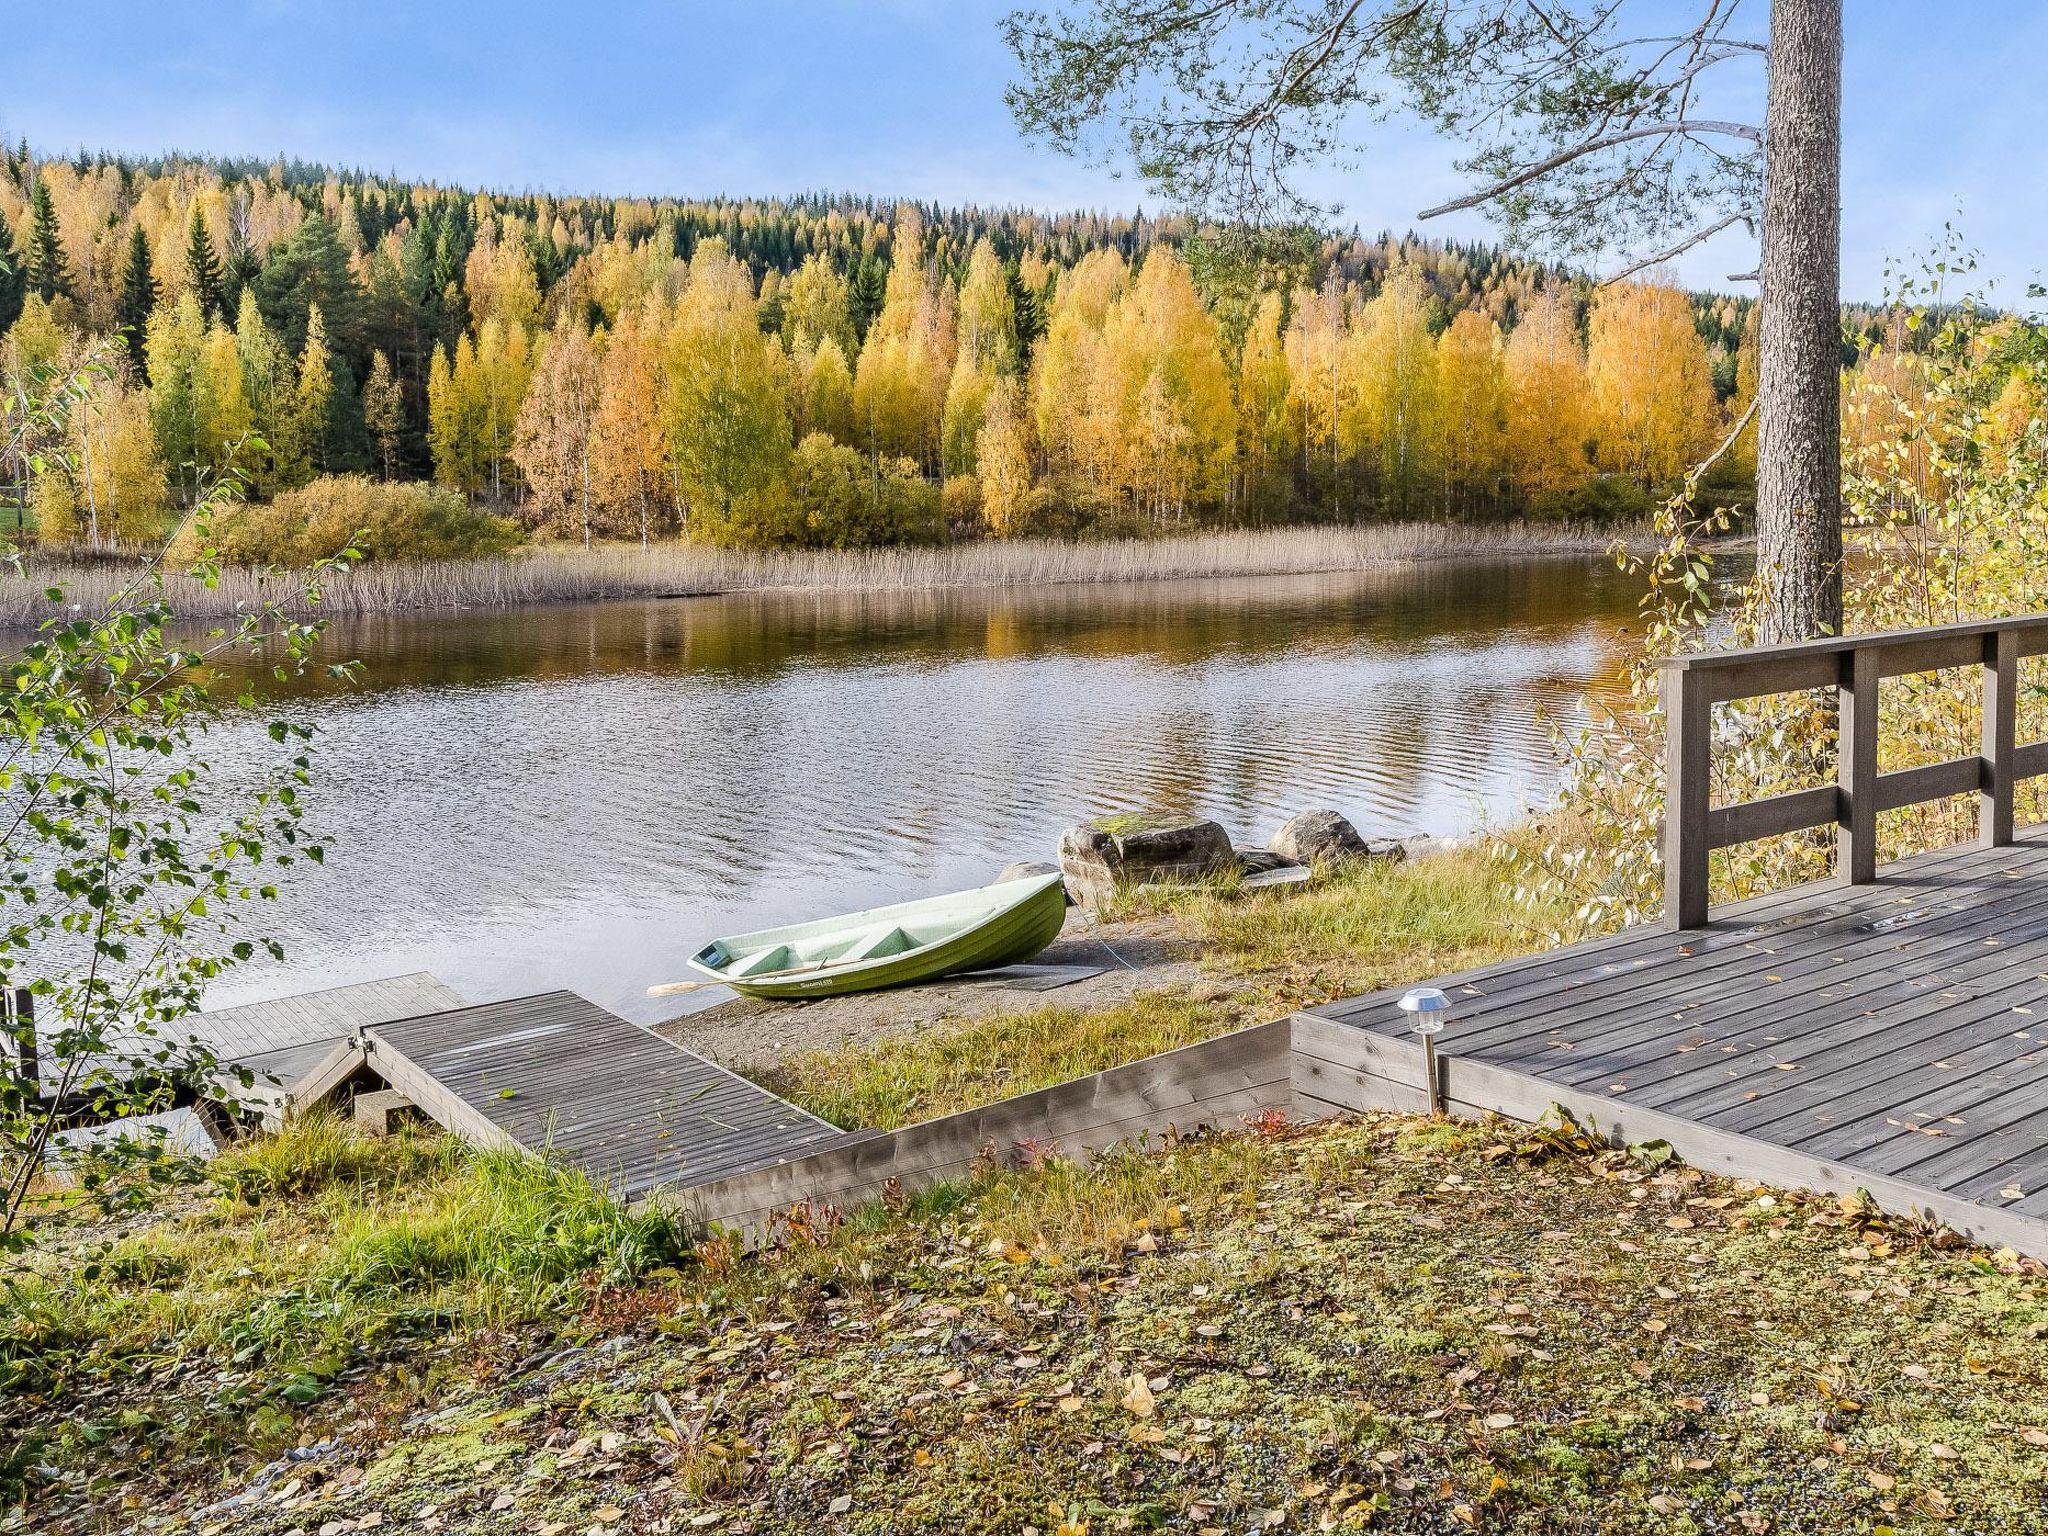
x,y
240,273
203,263
13,282
43,263
310,267
865,286
1023,304
139,293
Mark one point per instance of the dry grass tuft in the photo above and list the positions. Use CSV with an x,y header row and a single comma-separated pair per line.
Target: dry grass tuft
x,y
559,575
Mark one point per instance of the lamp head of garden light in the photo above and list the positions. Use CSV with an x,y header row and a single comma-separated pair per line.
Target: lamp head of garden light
x,y
1428,1007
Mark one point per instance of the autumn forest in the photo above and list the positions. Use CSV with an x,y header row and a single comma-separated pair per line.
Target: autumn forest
x,y
820,371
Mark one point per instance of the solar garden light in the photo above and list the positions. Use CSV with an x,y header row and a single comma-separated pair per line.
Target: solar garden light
x,y
1431,1010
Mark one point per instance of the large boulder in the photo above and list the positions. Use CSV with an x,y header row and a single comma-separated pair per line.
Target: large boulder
x,y
1100,858
1324,837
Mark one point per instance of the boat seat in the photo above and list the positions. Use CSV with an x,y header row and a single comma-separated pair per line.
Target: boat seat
x,y
777,959
877,942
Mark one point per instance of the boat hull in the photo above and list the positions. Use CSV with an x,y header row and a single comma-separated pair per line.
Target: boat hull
x,y
1015,931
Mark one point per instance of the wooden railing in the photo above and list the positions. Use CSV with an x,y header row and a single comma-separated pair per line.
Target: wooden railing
x,y
1690,686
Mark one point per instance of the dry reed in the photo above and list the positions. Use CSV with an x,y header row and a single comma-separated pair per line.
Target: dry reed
x,y
559,575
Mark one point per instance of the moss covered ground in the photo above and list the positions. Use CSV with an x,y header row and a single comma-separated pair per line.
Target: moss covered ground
x,y
1382,1324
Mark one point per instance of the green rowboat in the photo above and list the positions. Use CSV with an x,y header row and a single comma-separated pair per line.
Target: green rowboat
x,y
891,946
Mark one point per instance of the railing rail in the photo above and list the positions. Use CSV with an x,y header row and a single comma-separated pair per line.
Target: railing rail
x,y
1690,686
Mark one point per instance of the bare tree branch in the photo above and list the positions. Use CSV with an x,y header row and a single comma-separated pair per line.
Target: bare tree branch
x,y
1742,425
1671,253
1579,151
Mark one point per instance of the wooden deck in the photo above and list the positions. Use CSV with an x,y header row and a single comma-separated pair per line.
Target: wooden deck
x,y
1891,1036
558,1074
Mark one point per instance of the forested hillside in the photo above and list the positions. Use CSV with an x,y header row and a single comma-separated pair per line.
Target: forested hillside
x,y
823,370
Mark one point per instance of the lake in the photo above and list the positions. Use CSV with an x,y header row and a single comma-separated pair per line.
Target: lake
x,y
580,796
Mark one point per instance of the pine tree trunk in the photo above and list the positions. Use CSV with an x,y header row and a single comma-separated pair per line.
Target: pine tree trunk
x,y
1799,420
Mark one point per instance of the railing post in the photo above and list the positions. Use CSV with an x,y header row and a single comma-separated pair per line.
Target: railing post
x,y
1856,767
1688,726
19,1006
2001,705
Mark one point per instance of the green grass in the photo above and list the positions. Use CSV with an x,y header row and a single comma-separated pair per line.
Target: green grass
x,y
1374,924
1388,1325
921,1076
1356,930
317,1253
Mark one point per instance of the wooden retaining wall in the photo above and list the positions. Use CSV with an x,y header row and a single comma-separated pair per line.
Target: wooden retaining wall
x,y
1343,1069
1312,1068
1213,1083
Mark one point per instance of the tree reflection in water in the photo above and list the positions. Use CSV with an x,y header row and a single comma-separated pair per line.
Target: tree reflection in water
x,y
578,796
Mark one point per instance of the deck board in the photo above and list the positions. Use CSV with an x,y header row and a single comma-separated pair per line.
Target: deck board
x,y
558,1074
256,1029
1897,1030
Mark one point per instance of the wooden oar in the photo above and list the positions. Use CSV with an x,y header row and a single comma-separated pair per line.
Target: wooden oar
x,y
671,988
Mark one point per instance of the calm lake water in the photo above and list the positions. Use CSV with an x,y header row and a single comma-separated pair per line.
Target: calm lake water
x,y
580,796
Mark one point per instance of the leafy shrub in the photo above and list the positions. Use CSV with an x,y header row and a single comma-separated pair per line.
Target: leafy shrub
x,y
835,498
55,505
1602,499
960,502
386,521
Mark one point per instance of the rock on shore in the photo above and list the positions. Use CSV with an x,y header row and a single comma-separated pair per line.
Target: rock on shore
x,y
1099,858
1324,837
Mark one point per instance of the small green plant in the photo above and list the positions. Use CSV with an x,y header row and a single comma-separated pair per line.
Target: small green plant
x,y
123,867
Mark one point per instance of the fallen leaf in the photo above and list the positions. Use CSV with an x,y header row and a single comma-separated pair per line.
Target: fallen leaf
x,y
1138,1399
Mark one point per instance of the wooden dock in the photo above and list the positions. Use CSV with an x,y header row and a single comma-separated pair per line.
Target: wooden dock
x,y
1887,1030
299,1048
294,1049
1891,1037
557,1074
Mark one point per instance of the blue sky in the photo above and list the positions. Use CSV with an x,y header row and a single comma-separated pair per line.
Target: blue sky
x,y
895,98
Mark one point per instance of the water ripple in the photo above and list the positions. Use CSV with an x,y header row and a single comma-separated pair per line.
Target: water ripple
x,y
576,797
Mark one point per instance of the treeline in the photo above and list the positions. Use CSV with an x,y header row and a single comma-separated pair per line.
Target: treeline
x,y
826,370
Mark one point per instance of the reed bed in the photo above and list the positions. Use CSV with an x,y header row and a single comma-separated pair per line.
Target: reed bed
x,y
561,575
